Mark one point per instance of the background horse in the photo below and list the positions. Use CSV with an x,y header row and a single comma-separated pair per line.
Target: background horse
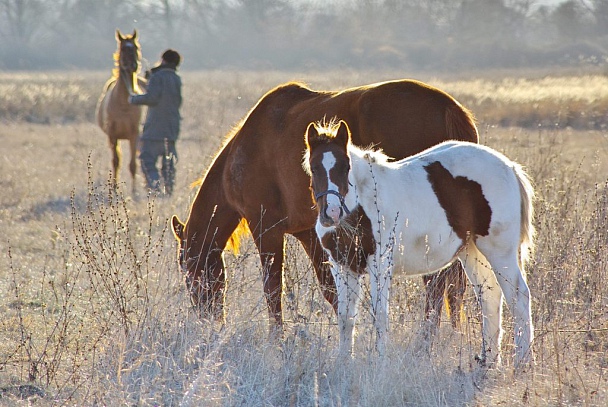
x,y
455,200
115,115
256,183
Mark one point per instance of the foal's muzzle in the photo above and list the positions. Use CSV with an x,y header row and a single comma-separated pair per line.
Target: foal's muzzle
x,y
326,219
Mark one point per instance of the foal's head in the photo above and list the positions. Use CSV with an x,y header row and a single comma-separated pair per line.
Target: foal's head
x,y
129,54
328,164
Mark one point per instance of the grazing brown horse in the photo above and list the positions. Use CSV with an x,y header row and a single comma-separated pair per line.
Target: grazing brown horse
x,y
251,186
116,117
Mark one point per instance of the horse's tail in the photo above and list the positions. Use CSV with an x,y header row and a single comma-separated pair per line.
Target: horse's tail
x,y
527,232
234,242
460,123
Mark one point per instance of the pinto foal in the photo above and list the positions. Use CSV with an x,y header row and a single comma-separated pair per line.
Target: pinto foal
x,y
457,200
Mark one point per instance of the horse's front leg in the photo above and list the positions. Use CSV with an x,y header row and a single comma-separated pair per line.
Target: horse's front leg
x,y
133,162
271,247
380,272
322,266
348,286
115,147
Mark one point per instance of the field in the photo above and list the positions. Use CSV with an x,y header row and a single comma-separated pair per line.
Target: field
x,y
94,310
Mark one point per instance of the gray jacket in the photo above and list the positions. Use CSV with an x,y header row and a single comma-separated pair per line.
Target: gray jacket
x,y
163,98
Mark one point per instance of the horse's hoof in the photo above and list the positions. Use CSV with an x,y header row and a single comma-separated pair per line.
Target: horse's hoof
x,y
481,360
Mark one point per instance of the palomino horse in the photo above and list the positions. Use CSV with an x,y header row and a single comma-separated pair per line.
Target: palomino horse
x,y
457,200
115,115
256,182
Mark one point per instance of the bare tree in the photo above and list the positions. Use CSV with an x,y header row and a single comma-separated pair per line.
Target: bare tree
x,y
20,19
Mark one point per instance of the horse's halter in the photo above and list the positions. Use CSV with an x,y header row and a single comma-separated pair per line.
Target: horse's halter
x,y
343,206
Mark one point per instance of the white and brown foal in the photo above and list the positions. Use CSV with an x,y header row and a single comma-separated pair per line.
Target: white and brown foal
x,y
457,200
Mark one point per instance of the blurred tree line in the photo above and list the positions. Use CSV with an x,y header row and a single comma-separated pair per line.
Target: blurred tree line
x,y
440,35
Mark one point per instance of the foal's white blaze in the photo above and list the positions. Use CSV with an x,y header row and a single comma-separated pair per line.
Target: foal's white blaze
x,y
333,202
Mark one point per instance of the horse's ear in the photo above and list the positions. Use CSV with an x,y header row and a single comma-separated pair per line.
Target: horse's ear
x,y
343,133
119,36
312,134
177,227
134,36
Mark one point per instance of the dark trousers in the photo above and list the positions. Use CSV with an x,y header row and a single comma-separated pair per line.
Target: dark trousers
x,y
150,151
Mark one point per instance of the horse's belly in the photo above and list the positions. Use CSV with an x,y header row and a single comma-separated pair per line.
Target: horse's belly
x,y
425,254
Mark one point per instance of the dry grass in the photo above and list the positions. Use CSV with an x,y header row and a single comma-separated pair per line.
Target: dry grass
x,y
94,310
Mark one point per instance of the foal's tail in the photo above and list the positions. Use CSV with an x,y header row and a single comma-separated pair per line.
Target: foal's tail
x,y
526,237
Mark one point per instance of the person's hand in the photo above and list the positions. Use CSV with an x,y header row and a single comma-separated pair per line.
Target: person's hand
x,y
131,97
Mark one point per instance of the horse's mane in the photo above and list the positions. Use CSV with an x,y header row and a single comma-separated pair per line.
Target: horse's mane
x,y
116,57
370,154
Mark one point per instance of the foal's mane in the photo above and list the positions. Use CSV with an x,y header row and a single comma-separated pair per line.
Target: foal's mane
x,y
327,130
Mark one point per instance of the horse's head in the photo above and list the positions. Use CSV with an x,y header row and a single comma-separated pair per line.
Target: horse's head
x,y
129,54
328,164
203,280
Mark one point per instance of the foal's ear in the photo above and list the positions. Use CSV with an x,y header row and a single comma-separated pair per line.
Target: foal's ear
x,y
177,227
343,133
312,134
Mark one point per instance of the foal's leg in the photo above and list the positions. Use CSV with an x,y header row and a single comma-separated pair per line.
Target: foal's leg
x,y
348,286
517,296
380,276
490,296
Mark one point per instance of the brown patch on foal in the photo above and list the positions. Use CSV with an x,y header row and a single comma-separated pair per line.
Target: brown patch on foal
x,y
351,248
467,210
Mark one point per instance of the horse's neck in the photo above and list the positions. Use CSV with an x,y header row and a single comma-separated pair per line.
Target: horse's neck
x,y
120,87
124,82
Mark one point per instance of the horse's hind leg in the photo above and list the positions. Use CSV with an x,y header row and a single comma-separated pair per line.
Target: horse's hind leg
x,y
449,283
455,287
489,294
517,295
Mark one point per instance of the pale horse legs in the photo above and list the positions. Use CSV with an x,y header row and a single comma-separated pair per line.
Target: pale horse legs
x,y
496,276
348,287
489,286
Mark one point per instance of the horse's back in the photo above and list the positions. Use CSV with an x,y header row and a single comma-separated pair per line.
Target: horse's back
x,y
263,164
402,117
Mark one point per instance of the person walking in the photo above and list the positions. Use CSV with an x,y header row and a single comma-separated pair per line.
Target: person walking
x,y
161,129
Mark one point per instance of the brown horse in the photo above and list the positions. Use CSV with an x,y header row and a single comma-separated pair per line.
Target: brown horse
x,y
116,117
250,186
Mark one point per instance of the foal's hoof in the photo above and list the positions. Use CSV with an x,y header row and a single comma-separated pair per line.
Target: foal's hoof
x,y
481,360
